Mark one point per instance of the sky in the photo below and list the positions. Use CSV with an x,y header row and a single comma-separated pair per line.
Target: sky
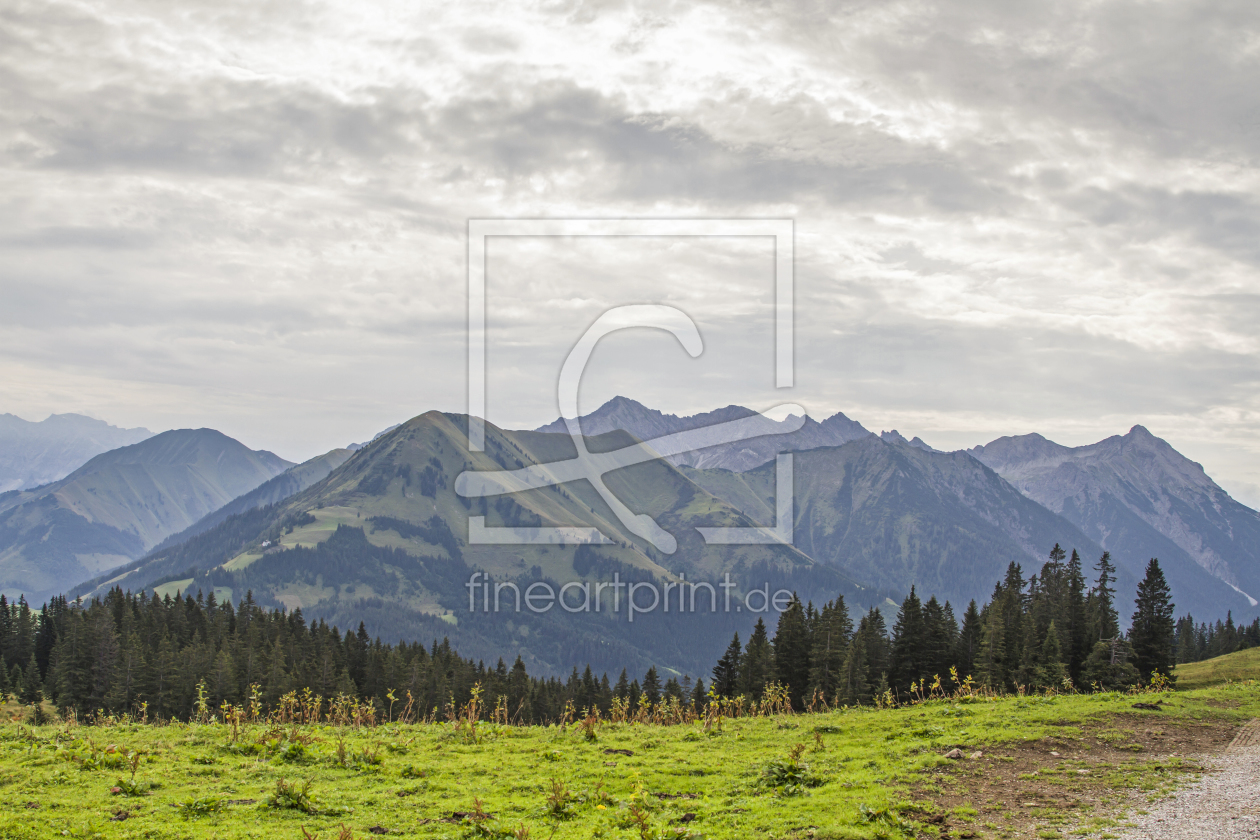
x,y
1009,216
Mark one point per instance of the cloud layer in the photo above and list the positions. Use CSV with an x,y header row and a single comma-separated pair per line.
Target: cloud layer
x,y
1009,216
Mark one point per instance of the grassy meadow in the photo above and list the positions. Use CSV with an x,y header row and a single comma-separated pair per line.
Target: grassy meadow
x,y
1030,766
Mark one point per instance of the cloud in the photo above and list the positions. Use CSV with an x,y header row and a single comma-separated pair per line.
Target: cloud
x,y
1009,216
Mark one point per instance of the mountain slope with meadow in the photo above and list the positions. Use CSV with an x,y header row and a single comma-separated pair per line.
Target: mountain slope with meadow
x,y
385,539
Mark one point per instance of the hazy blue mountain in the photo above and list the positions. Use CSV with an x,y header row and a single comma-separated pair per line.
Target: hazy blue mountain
x,y
120,504
1140,498
897,437
622,413
32,453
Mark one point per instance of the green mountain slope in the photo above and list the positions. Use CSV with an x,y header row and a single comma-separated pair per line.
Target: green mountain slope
x,y
895,514
120,504
286,485
385,539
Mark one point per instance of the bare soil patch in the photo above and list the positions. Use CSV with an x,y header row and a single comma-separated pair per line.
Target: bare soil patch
x,y
1042,788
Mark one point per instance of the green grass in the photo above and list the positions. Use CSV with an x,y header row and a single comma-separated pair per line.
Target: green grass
x,y
1242,665
852,775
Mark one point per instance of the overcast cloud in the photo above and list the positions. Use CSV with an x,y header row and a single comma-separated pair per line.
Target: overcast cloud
x,y
1010,217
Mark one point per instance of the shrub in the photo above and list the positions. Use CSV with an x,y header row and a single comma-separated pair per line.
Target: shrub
x,y
790,777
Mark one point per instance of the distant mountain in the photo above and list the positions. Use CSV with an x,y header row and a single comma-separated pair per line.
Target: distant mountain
x,y
32,454
897,437
119,504
289,483
891,513
1140,498
385,539
622,413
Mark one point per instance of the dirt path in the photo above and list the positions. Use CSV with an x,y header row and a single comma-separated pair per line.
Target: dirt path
x,y
1222,805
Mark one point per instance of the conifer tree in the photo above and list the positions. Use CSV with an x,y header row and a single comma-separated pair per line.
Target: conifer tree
x,y
909,640
1051,671
991,663
1152,629
968,647
827,651
726,671
1101,616
854,689
699,699
791,652
651,687
756,668
1077,640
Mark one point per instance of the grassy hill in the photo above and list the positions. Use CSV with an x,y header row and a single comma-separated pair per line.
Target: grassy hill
x,y
1240,665
118,505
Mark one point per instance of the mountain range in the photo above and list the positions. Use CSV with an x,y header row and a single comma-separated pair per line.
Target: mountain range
x,y
380,535
119,505
385,539
1140,498
33,454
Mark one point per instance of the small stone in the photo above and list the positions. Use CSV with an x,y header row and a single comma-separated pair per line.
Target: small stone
x,y
1083,772
977,754
955,754
1053,753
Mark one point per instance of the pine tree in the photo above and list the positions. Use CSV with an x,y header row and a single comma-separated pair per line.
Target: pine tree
x,y
32,686
1101,616
991,663
1109,666
968,647
909,641
698,697
1152,630
726,672
1077,637
756,668
854,688
651,686
1051,671
791,652
827,652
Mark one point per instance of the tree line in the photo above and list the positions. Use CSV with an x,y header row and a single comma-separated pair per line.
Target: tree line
x,y
138,653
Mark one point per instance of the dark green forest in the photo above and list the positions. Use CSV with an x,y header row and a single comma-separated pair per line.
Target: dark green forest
x,y
156,658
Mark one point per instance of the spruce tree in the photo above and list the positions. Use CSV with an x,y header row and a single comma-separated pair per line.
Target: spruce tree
x,y
909,641
756,667
1051,671
1077,641
968,646
651,686
1101,616
791,652
1152,630
991,665
726,671
854,689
